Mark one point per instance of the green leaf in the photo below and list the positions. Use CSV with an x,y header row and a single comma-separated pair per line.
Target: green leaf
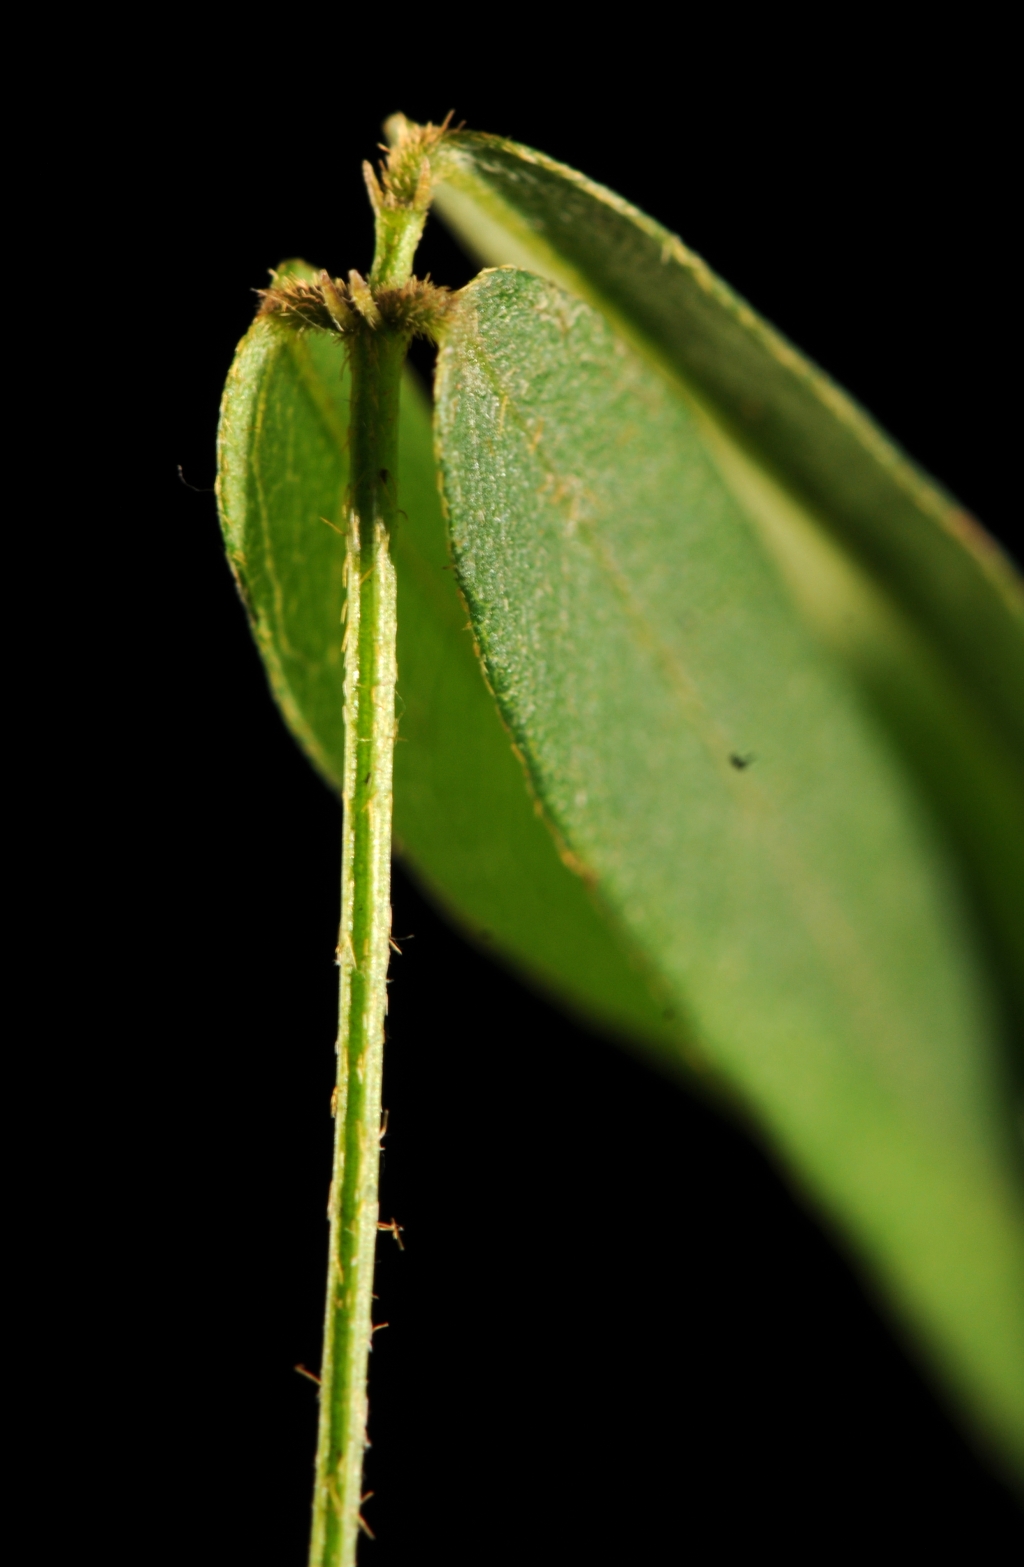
x,y
463,819
886,570
875,565
718,778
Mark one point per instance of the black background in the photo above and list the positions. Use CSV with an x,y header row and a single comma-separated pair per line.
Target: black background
x,y
613,1335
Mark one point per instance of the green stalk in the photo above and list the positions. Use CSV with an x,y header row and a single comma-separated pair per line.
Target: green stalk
x,y
376,360
376,352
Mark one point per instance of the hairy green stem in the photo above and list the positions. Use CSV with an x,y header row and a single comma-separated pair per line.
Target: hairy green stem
x,y
376,361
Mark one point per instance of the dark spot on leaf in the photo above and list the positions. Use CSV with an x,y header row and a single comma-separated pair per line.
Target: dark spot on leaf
x,y
740,762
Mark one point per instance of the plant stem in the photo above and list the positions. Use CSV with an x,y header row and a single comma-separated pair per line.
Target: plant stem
x,y
377,345
376,362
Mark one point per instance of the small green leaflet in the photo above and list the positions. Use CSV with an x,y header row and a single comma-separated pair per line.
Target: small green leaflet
x,y
463,820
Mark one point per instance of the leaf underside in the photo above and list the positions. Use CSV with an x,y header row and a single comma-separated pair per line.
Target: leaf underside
x,y
718,778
